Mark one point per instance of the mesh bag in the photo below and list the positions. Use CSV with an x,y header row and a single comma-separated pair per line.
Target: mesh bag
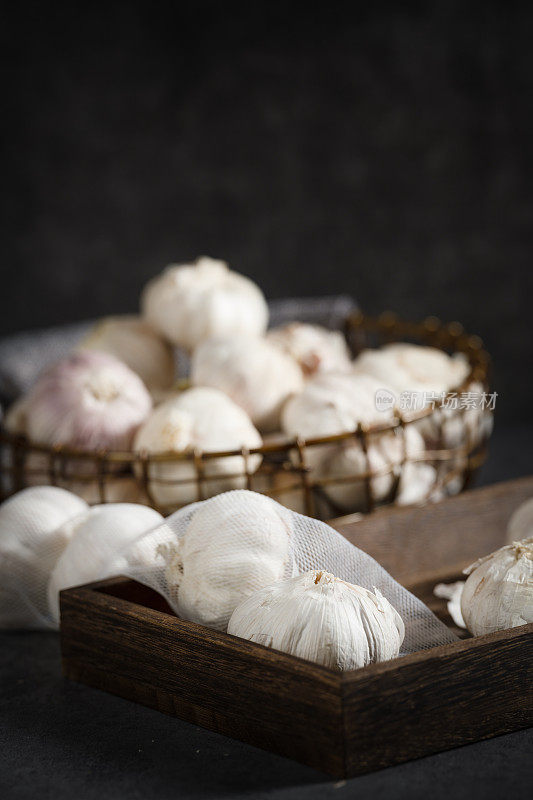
x,y
204,559
226,546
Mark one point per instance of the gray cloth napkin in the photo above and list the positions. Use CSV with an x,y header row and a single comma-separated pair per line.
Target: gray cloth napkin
x,y
24,355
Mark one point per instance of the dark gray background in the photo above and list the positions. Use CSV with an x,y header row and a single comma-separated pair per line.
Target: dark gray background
x,y
386,154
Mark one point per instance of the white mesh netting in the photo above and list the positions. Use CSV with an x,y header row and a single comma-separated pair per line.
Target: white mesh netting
x,y
204,559
216,552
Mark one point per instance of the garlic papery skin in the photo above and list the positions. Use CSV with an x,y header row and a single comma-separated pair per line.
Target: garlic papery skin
x,y
452,592
189,303
314,348
130,339
98,547
88,401
337,403
35,527
200,419
498,593
256,374
234,544
323,619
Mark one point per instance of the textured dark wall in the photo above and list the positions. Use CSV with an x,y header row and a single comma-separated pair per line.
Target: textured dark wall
x,y
385,154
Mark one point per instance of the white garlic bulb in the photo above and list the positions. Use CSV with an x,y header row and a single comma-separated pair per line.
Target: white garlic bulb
x,y
198,419
98,547
256,374
130,339
498,593
426,373
316,349
520,526
234,544
410,367
336,403
321,618
189,303
88,401
35,527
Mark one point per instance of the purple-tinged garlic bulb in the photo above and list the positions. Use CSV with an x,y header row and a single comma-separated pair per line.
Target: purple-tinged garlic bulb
x,y
87,401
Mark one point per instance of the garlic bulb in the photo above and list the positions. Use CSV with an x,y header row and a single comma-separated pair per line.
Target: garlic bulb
x,y
321,618
88,401
498,593
189,303
410,367
35,527
520,526
130,339
426,372
98,547
234,544
198,419
118,489
316,349
256,374
336,403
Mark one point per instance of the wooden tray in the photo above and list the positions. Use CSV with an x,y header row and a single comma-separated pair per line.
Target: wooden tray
x,y
120,636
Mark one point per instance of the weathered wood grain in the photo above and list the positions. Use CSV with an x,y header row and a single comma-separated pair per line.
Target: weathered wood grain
x,y
438,699
441,538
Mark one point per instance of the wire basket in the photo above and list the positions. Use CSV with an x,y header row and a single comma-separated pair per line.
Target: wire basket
x,y
286,470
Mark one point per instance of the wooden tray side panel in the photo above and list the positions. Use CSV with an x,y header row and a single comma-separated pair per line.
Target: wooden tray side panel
x,y
438,700
225,684
441,538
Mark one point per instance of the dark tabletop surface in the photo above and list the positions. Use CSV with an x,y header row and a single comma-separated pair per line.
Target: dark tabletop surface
x,y
62,740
